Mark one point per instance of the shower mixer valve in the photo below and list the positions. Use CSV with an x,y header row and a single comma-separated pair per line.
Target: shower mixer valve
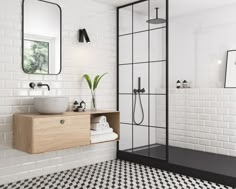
x,y
139,90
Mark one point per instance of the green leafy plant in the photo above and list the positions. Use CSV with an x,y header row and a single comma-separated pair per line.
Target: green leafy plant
x,y
93,85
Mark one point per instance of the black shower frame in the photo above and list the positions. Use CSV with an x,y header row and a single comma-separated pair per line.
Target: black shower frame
x,y
166,94
154,162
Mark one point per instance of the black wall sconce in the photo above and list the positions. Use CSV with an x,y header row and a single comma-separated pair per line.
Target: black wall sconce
x,y
83,35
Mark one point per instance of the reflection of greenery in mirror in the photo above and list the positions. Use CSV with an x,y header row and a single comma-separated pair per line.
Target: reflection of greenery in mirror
x,y
36,57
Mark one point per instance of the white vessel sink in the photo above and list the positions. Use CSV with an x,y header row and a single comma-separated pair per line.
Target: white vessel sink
x,y
51,105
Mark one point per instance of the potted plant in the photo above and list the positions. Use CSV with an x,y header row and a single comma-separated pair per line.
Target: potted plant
x,y
93,86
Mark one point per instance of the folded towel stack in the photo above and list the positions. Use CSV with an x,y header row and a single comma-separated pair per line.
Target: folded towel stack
x,y
101,131
104,137
100,123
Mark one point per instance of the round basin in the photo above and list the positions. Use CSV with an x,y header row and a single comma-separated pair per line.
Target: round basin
x,y
51,105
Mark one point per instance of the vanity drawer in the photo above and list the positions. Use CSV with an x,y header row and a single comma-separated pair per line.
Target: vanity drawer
x,y
54,133
62,122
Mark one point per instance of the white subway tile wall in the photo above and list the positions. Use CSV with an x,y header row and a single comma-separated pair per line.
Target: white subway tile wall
x,y
16,165
203,119
15,96
95,58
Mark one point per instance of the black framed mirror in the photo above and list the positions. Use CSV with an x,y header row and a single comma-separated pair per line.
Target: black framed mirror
x,y
41,37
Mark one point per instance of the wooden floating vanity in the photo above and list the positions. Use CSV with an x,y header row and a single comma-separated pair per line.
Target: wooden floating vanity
x,y
35,133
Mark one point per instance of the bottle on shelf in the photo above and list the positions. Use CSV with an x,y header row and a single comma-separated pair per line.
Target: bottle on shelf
x,y
178,84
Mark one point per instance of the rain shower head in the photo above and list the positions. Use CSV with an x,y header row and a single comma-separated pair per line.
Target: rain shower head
x,y
156,20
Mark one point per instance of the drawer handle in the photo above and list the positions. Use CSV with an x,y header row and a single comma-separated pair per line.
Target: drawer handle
x,y
62,122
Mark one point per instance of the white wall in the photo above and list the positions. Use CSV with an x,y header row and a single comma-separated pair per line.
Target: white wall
x,y
202,118
95,58
197,42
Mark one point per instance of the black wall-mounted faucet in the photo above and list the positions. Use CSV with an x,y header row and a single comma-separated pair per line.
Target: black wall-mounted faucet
x,y
39,85
32,85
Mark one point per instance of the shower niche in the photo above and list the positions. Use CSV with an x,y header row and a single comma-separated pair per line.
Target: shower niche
x,y
142,76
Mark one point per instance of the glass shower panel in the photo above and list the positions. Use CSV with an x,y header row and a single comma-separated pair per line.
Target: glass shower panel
x,y
140,16
140,47
142,65
158,136
158,111
125,50
140,137
125,107
158,45
125,82
140,70
158,77
157,147
125,137
125,20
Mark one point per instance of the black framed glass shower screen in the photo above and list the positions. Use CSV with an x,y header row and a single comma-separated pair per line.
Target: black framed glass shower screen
x,y
142,53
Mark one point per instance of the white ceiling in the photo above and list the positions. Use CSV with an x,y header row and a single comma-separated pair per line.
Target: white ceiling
x,y
181,7
117,3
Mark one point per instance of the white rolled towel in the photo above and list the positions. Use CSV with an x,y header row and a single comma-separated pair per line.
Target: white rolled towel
x,y
104,137
100,119
106,125
106,131
97,126
100,126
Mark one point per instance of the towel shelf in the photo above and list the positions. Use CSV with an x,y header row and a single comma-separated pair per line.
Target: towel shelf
x,y
35,133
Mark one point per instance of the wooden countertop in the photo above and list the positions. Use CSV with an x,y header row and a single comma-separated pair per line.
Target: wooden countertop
x,y
37,115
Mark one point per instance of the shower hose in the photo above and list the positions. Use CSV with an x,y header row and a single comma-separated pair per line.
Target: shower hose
x,y
141,105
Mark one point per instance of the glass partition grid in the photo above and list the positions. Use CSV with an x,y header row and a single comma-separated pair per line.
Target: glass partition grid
x,y
150,94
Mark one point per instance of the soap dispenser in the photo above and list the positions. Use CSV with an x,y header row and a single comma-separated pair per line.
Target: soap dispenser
x,y
185,84
82,106
79,107
75,106
178,84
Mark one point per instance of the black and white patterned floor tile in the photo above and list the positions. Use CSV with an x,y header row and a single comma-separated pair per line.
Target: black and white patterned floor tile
x,y
115,174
